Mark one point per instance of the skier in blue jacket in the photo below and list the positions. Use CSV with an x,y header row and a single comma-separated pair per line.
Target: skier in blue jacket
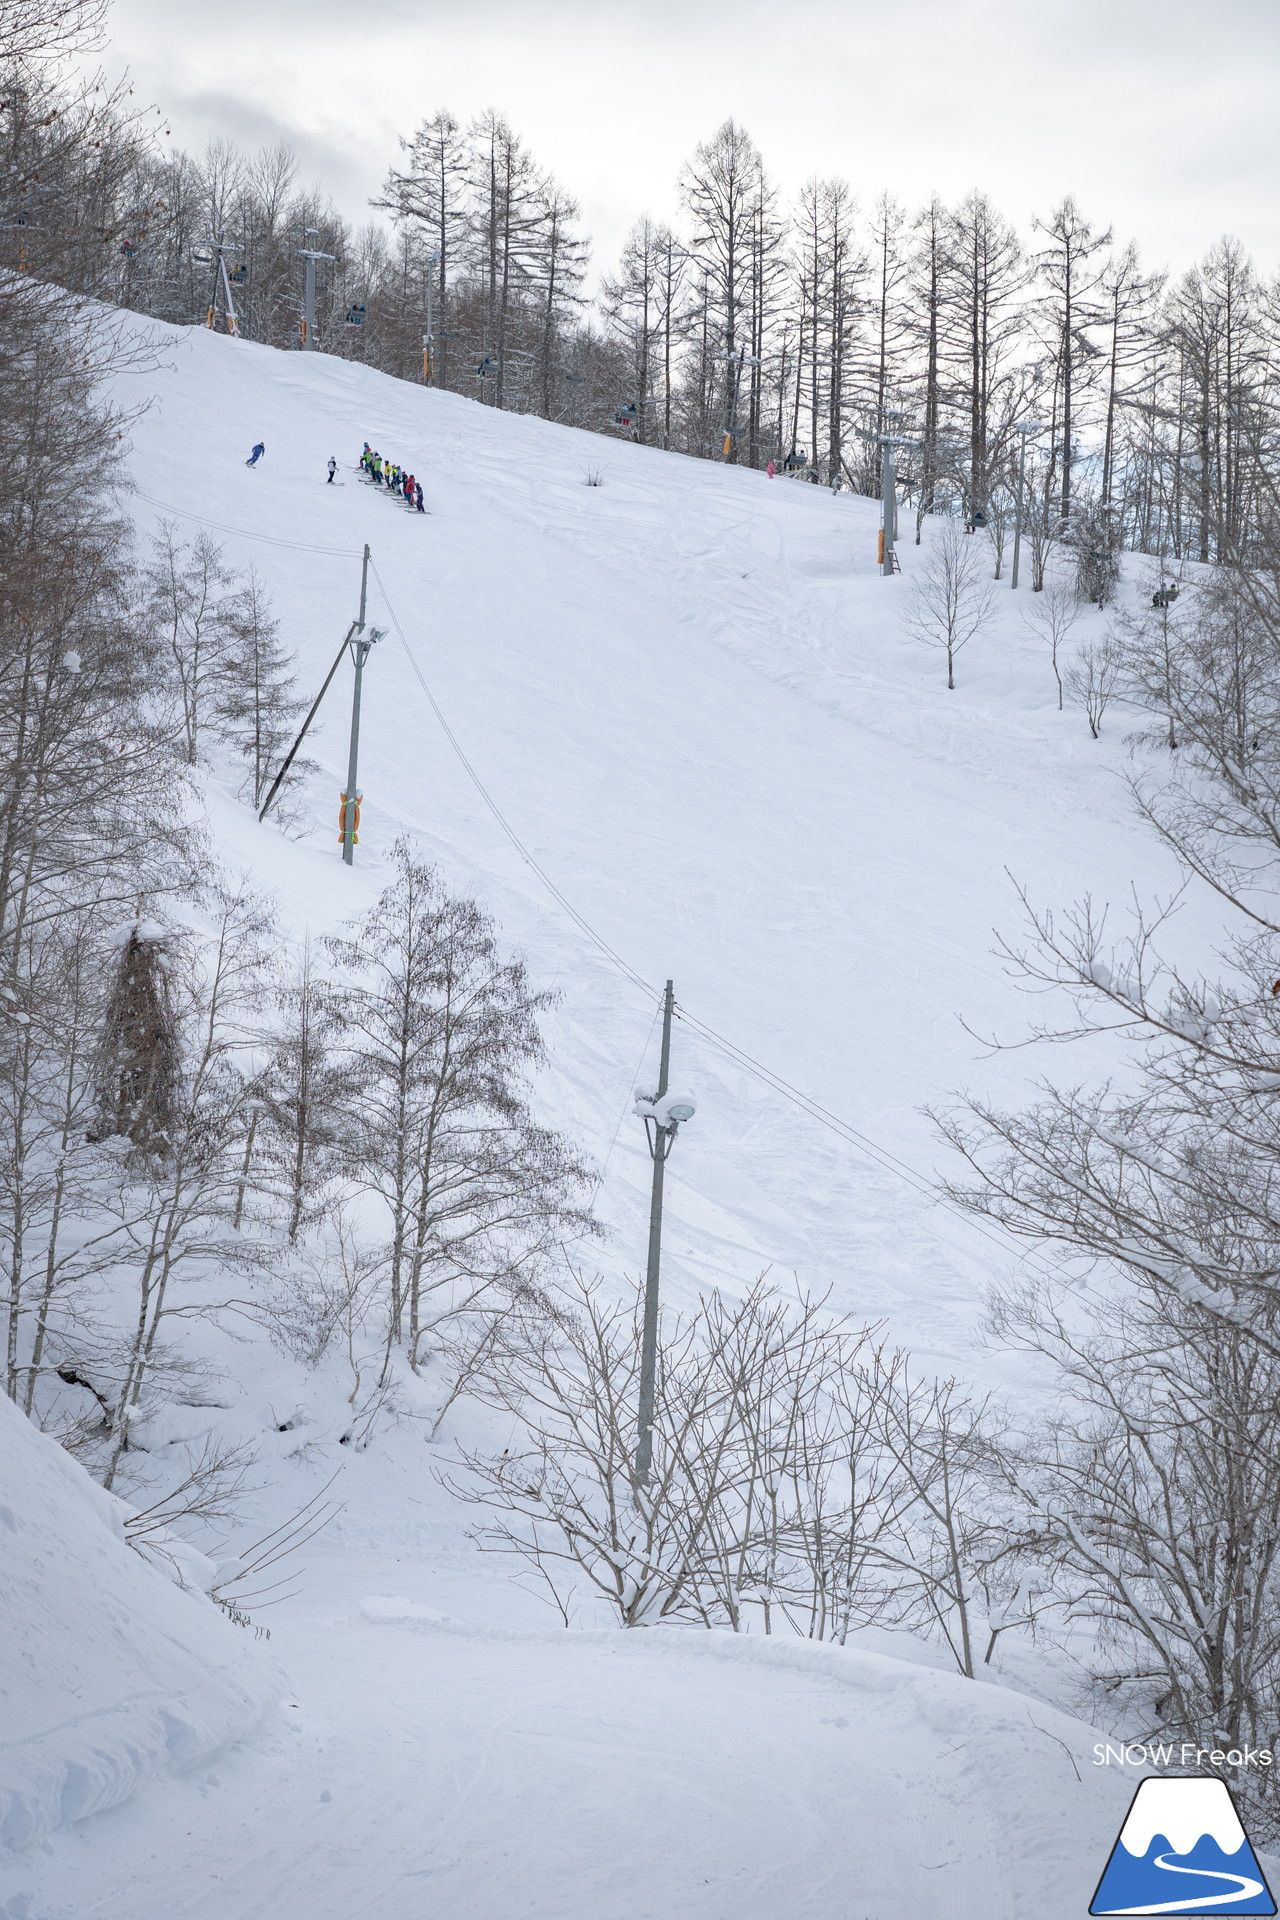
x,y
256,455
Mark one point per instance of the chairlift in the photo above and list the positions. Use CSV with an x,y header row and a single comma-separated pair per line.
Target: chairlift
x,y
626,414
355,315
486,368
128,248
238,275
794,461
202,256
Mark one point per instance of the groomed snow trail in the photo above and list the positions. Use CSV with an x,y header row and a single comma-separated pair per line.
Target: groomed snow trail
x,y
428,1771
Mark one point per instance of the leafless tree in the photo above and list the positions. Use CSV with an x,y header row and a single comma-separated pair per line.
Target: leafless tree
x,y
174,1215
1093,679
439,1034
951,596
308,1093
1050,617
803,1479
48,29
190,612
1153,1500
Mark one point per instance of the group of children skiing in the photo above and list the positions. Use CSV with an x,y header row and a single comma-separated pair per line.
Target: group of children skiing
x,y
384,473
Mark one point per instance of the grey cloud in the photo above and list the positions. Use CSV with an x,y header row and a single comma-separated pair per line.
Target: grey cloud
x,y
1153,119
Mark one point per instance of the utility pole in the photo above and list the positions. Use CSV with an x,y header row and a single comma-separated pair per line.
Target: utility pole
x,y
355,638
662,1115
889,504
361,644
310,256
1023,431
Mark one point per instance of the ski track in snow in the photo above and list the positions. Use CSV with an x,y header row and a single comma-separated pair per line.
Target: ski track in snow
x,y
689,692
570,1776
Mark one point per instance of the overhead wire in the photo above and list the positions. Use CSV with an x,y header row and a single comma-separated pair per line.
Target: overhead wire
x,y
243,533
884,1156
566,905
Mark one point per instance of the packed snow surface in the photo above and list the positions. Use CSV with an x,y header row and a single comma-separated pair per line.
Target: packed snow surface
x,y
110,1673
428,1770
690,695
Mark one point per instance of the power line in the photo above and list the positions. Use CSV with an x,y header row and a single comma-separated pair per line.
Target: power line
x,y
242,533
568,907
814,1108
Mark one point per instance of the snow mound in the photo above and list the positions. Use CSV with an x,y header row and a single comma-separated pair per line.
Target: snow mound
x,y
112,1674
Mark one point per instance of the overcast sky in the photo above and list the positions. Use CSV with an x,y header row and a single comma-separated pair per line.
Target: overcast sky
x,y
1160,118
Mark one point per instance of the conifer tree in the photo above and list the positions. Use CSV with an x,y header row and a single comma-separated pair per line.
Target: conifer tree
x,y
139,1062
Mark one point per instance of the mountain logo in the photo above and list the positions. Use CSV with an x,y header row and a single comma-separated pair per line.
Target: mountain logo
x,y
1182,1851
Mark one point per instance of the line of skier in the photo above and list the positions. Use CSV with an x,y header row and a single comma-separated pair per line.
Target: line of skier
x,y
385,473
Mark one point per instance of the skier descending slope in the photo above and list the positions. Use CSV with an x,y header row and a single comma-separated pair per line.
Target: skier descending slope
x,y
333,468
256,455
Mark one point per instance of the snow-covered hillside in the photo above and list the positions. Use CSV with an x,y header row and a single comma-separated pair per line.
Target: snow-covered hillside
x,y
690,694
111,1673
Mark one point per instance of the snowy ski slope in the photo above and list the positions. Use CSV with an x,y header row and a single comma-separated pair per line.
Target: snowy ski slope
x,y
689,694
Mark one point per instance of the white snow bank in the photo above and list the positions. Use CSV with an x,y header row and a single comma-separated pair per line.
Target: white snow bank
x,y
945,1702
111,1672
